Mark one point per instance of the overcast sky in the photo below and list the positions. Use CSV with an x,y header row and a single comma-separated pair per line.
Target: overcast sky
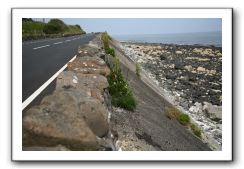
x,y
147,26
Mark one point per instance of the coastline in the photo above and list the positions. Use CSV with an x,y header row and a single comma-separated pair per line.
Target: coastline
x,y
212,128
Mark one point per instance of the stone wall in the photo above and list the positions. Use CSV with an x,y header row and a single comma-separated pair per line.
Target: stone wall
x,y
75,116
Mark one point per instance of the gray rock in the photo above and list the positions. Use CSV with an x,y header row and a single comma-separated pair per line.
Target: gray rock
x,y
197,108
212,111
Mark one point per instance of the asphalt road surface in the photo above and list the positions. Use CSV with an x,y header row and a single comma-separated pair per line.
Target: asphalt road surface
x,y
41,59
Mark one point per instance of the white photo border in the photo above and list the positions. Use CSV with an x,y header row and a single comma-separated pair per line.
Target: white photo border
x,y
224,13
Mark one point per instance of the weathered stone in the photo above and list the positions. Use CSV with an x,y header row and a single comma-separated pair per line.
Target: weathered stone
x,y
38,148
93,81
68,117
96,93
68,79
89,65
197,108
95,115
90,84
179,65
212,111
178,52
89,108
55,122
201,69
170,75
188,68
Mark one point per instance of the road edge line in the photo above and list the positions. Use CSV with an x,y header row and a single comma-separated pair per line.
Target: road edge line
x,y
40,89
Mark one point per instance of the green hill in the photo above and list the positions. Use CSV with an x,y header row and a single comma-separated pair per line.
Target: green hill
x,y
54,28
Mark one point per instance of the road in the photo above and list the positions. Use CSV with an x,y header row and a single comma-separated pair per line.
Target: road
x,y
41,59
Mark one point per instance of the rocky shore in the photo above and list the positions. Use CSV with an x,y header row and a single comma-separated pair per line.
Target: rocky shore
x,y
78,114
190,76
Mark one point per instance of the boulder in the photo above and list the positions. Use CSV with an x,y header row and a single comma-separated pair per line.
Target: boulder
x,y
188,68
201,69
197,108
93,81
178,52
88,50
89,65
68,117
95,116
212,111
91,109
163,57
179,65
46,127
89,84
69,79
170,75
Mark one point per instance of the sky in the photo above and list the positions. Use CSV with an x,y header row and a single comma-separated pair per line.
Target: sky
x,y
120,26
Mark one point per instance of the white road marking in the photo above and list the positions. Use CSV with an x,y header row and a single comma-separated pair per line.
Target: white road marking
x,y
26,43
58,43
38,91
41,47
67,40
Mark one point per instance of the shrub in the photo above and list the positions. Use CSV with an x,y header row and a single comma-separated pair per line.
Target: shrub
x,y
184,119
105,40
55,26
138,70
110,51
121,94
27,20
196,130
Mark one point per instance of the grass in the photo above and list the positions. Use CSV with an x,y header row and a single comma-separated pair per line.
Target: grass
x,y
110,51
105,39
138,70
196,130
172,113
184,119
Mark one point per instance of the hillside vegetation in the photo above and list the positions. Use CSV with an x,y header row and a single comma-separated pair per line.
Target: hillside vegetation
x,y
54,28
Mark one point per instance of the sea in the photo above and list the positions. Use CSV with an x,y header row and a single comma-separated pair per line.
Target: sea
x,y
196,38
